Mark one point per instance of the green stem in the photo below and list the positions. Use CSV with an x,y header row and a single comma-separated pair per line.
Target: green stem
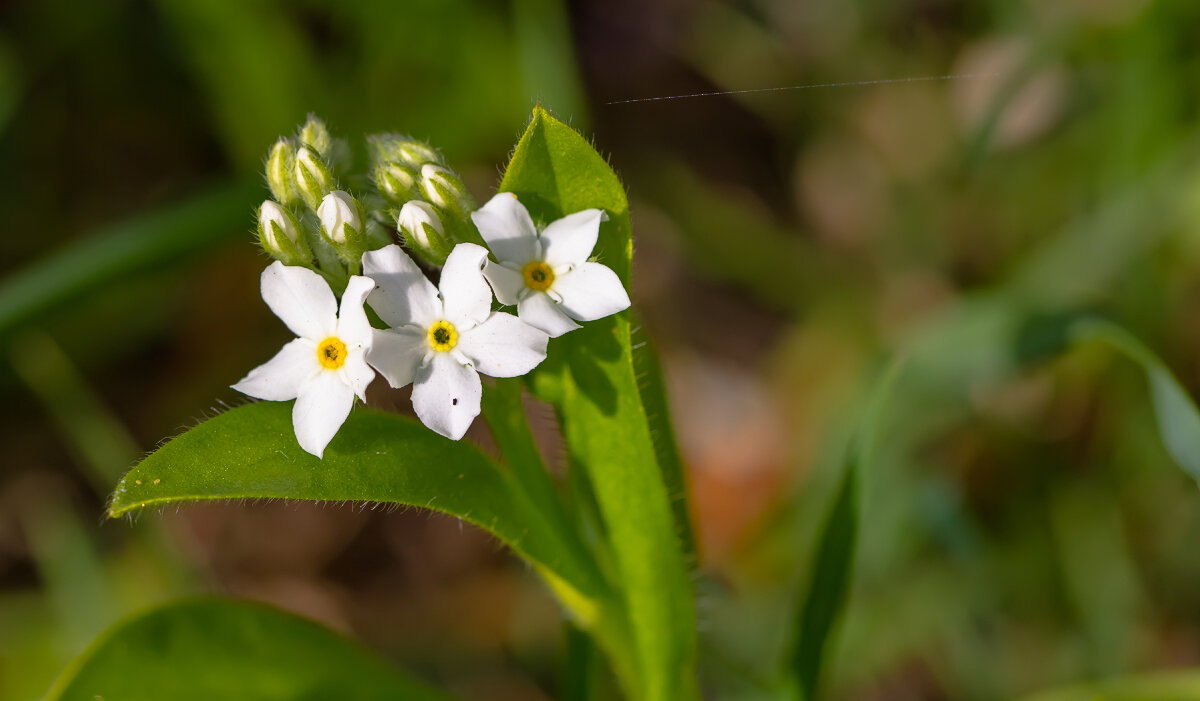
x,y
505,415
605,617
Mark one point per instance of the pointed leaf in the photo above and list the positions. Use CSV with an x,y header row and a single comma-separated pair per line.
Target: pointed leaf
x,y
1176,413
590,376
250,452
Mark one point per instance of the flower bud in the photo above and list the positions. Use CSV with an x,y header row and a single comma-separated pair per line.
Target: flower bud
x,y
443,188
341,225
423,233
386,148
417,153
397,183
339,217
315,134
279,234
280,164
313,179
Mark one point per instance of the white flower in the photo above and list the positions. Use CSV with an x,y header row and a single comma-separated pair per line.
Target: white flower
x,y
441,343
325,367
337,213
548,275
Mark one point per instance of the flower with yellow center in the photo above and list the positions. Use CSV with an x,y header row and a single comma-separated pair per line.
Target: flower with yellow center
x,y
442,338
325,367
547,274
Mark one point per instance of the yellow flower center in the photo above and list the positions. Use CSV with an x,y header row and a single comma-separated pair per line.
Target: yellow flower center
x,y
538,276
332,353
443,336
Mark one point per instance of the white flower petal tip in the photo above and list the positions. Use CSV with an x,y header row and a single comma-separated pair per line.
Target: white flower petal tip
x,y
325,367
591,291
446,395
541,312
506,226
403,294
504,346
465,293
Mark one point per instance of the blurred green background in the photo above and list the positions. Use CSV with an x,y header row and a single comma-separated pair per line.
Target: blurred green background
x,y
1023,527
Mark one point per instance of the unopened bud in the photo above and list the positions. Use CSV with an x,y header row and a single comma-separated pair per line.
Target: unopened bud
x,y
417,153
397,183
442,187
386,148
279,234
315,134
422,229
313,179
341,224
280,164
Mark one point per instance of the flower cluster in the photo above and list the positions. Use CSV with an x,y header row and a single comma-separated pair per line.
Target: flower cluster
x,y
439,339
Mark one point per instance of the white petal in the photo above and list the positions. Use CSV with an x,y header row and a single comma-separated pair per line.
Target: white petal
x,y
504,346
321,409
397,353
466,297
302,299
591,291
280,378
446,395
539,311
507,228
506,283
353,327
570,240
403,294
357,373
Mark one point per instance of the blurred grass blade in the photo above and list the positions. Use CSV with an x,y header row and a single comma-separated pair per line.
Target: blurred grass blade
x,y
102,442
250,453
215,649
831,574
1176,413
590,376
124,249
1165,686
71,571
829,583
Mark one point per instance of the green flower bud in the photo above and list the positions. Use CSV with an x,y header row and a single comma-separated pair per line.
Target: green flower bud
x,y
423,233
280,166
443,188
342,225
417,153
393,148
313,179
279,234
315,134
397,183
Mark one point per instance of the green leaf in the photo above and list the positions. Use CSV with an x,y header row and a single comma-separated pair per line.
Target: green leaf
x,y
1166,686
216,649
251,453
590,376
831,574
829,584
1176,413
